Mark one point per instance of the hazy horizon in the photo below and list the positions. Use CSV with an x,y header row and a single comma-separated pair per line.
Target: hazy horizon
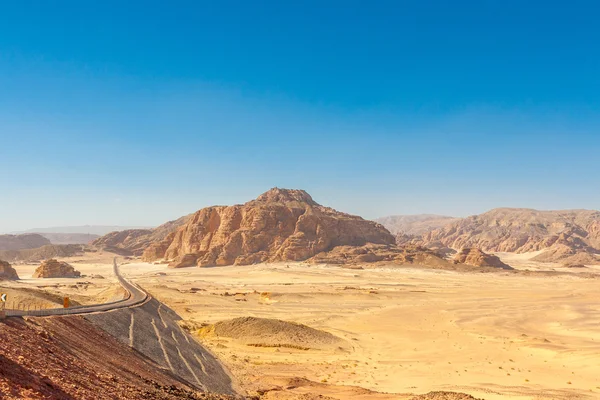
x,y
141,114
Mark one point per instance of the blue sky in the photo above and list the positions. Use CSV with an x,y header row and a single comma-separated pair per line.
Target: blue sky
x,y
134,113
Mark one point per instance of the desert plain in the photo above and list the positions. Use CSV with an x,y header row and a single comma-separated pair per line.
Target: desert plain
x,y
533,333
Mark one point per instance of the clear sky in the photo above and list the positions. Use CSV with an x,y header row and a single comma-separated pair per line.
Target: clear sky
x,y
133,113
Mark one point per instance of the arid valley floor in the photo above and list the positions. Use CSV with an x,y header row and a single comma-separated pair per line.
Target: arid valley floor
x,y
502,335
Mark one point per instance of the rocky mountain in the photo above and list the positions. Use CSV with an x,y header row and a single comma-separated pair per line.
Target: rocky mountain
x,y
55,269
280,225
25,241
7,272
135,241
477,258
414,224
567,236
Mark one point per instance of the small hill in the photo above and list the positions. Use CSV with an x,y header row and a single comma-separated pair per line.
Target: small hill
x,y
7,272
135,241
263,332
477,258
25,241
55,269
568,235
414,224
280,225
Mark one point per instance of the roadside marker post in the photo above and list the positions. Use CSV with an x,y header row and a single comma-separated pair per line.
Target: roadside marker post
x,y
3,300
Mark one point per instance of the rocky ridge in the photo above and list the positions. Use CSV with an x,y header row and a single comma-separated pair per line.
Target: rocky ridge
x,y
135,241
24,241
43,253
414,225
55,269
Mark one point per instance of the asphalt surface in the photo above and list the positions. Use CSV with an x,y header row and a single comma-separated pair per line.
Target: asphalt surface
x,y
152,329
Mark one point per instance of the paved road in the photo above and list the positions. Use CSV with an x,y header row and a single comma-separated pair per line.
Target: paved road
x,y
135,296
151,328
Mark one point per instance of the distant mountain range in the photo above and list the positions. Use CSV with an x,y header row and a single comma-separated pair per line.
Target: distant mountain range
x,y
99,230
414,224
568,236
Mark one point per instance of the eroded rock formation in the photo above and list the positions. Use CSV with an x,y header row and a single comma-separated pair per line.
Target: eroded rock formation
x,y
477,258
55,269
7,272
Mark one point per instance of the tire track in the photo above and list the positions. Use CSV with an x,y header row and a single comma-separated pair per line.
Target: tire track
x,y
188,366
162,346
175,338
160,315
201,364
131,330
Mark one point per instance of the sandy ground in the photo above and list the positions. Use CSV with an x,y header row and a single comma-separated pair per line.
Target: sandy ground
x,y
494,336
405,330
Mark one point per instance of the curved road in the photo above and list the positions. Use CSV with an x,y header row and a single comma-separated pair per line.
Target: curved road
x,y
135,296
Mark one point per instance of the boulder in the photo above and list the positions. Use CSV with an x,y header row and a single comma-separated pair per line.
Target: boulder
x,y
55,269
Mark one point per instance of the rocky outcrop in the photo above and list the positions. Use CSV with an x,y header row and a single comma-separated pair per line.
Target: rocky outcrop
x,y
477,258
187,260
135,241
7,272
280,225
561,234
24,241
55,269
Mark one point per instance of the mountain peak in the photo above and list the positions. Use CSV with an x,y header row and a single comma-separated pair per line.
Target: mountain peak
x,y
279,195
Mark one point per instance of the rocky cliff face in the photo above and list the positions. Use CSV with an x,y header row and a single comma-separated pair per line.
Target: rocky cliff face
x,y
55,269
477,258
25,241
279,225
573,234
7,272
135,241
